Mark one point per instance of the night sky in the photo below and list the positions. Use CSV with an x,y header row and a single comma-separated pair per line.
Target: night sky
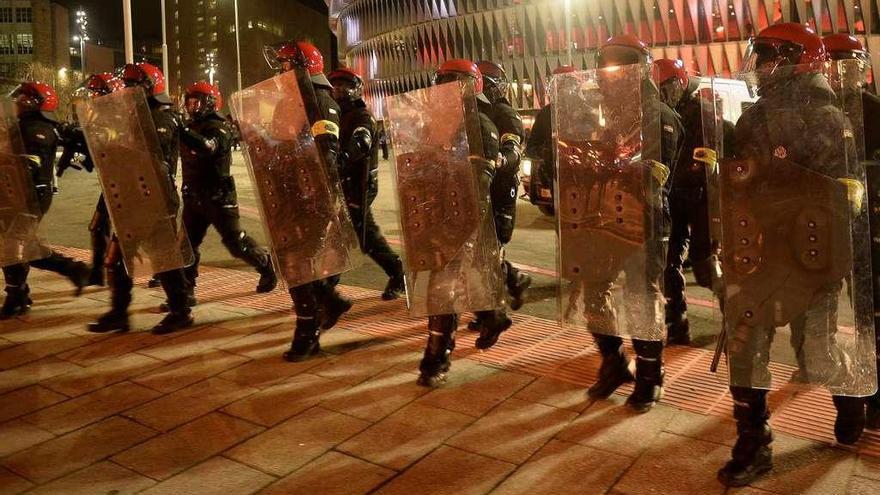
x,y
105,20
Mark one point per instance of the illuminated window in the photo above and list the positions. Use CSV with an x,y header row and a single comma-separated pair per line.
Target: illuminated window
x,y
25,42
6,44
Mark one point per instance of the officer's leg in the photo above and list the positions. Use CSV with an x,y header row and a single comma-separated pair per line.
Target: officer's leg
x,y
441,342
748,358
306,336
752,454
332,305
601,318
824,361
643,299
177,292
75,271
516,281
378,249
99,228
18,300
226,220
120,293
702,252
678,331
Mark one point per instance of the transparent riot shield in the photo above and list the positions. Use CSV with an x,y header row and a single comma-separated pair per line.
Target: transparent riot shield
x,y
20,211
451,253
138,192
609,203
303,210
795,245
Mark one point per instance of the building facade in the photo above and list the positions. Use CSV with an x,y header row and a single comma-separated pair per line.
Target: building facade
x,y
201,38
397,44
32,32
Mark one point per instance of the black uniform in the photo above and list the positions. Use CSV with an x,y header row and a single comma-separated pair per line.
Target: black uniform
x,y
168,125
210,198
649,372
317,304
689,211
505,185
359,173
441,337
871,116
812,128
74,143
41,142
540,145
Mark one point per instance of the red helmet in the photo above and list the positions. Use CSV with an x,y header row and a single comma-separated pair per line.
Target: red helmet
x,y
623,49
666,69
102,84
843,46
564,69
206,99
495,82
299,53
458,68
347,84
783,44
145,75
35,96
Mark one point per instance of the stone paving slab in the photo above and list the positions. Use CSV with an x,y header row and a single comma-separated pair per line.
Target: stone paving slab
x,y
215,410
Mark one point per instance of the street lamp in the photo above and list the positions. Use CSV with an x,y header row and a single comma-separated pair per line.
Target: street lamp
x,y
82,21
212,68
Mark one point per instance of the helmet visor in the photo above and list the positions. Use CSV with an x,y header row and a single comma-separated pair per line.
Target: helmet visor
x,y
611,56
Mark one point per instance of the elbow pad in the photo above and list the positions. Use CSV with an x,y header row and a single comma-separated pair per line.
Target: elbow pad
x,y
360,144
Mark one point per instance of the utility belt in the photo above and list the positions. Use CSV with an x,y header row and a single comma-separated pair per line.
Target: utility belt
x,y
221,190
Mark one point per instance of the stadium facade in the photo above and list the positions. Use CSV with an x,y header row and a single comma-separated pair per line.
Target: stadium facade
x,y
397,44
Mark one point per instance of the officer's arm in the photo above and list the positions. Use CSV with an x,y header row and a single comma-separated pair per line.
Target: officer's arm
x,y
202,144
510,144
540,136
361,141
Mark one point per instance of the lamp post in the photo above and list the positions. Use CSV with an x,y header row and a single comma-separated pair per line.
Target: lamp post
x,y
82,21
237,45
164,43
129,41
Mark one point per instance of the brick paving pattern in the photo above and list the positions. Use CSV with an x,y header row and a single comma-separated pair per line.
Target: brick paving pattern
x,y
216,410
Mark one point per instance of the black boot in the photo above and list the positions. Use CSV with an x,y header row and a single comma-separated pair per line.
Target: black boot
x,y
154,282
174,321
492,328
268,279
678,331
191,302
649,384
306,341
394,288
111,321
476,324
96,277
441,342
850,421
18,302
517,290
79,276
752,454
333,307
614,372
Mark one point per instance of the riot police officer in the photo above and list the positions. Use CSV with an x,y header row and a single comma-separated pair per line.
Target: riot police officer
x,y
435,363
627,50
540,143
847,47
318,305
794,125
75,147
167,122
359,173
688,200
505,185
36,103
209,194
